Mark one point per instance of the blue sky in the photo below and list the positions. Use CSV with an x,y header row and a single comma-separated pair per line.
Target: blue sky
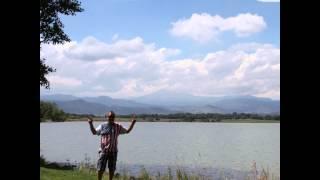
x,y
190,32
152,20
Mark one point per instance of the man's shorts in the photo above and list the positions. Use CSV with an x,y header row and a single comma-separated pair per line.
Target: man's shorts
x,y
107,157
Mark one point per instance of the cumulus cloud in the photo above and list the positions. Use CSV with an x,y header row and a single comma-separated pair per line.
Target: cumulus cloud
x,y
205,27
135,68
91,49
64,81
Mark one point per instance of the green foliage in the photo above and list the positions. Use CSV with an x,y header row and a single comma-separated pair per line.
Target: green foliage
x,y
51,28
52,173
144,174
44,70
207,117
79,116
181,175
50,111
60,174
43,161
170,176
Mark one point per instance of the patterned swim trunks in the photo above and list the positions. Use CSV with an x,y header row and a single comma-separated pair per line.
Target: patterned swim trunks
x,y
107,157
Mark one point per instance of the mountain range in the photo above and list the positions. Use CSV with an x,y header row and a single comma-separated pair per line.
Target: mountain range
x,y
164,102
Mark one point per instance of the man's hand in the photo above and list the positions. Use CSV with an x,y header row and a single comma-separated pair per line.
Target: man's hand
x,y
93,130
133,118
133,121
90,120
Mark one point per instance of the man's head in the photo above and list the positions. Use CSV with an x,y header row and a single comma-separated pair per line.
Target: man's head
x,y
110,115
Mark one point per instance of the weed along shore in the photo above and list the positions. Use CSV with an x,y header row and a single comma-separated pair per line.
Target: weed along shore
x,y
85,171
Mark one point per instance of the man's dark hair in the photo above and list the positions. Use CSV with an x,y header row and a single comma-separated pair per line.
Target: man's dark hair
x,y
112,114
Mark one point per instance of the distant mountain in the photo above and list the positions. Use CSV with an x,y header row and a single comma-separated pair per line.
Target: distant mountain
x,y
58,97
225,104
84,107
249,104
165,102
168,98
199,109
80,106
100,105
113,102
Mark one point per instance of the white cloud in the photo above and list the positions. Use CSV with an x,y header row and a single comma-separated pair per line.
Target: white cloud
x,y
91,49
115,37
272,93
64,81
204,27
136,68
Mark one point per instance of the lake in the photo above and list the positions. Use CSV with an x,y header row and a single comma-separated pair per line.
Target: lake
x,y
211,147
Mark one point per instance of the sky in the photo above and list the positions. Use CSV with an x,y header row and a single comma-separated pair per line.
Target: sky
x,y
129,48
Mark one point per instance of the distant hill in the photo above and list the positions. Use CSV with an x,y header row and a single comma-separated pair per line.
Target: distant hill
x,y
80,106
100,105
58,97
249,104
167,98
199,109
114,102
165,102
225,104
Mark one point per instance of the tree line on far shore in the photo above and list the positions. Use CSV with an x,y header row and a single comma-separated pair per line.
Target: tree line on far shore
x,y
206,117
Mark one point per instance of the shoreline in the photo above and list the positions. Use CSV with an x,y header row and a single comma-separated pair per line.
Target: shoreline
x,y
174,120
153,171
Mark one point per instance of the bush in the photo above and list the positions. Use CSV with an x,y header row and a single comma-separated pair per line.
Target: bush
x,y
50,111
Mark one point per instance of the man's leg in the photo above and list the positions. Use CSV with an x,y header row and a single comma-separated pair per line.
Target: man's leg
x,y
101,165
100,173
112,162
111,173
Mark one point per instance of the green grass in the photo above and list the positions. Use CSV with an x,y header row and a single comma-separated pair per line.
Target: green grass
x,y
56,174
89,174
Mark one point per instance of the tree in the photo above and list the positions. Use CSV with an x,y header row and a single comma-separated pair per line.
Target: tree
x,y
49,110
51,28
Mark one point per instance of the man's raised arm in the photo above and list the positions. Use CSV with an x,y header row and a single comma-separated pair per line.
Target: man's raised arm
x,y
133,121
93,130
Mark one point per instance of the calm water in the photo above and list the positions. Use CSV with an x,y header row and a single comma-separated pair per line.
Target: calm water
x,y
193,145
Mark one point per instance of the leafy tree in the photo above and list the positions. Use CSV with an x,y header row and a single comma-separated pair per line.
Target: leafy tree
x,y
51,111
51,28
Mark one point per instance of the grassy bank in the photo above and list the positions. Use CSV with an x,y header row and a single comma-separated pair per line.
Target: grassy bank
x,y
87,174
60,174
86,171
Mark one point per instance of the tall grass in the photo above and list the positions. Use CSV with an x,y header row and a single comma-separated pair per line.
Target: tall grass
x,y
87,168
262,175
